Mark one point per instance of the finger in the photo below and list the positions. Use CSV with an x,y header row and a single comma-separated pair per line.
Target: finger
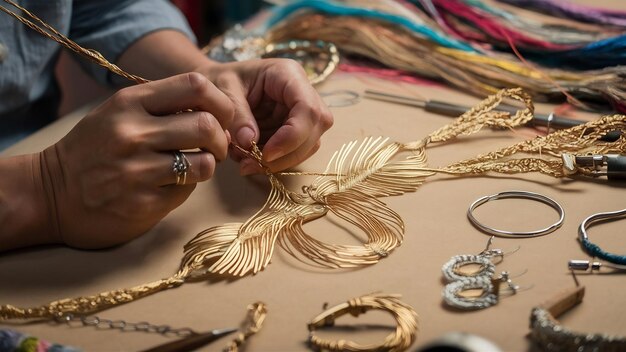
x,y
244,128
296,131
296,157
187,91
176,195
306,123
272,119
249,167
308,116
158,168
189,130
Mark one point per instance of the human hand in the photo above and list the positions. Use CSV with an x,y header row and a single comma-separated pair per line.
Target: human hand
x,y
110,178
275,106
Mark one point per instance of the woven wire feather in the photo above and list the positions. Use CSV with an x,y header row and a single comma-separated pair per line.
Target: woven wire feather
x,y
363,172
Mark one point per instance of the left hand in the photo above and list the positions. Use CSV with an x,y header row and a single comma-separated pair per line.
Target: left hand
x,y
275,106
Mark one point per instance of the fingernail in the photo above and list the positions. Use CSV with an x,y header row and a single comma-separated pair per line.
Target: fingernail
x,y
245,136
272,155
248,167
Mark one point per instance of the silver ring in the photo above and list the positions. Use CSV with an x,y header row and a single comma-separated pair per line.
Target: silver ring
x,y
516,194
340,98
180,167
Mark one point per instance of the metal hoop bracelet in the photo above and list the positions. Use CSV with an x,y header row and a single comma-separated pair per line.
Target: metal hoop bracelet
x,y
516,194
593,249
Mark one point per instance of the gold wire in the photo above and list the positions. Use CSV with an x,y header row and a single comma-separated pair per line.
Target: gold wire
x,y
399,340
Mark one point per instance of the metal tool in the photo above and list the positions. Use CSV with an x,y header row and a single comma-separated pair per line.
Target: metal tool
x,y
613,166
447,109
584,265
192,342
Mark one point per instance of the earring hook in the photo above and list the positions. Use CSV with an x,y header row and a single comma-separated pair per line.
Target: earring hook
x,y
496,252
505,277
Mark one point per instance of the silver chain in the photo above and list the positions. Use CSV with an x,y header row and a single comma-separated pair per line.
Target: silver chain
x,y
122,325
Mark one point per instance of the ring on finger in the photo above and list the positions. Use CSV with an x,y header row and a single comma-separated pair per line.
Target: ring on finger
x,y
180,167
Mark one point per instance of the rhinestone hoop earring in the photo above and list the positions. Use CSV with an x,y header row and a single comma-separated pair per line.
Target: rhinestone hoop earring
x,y
451,269
490,295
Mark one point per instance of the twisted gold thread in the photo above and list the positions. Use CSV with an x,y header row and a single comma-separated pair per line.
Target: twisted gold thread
x,y
257,312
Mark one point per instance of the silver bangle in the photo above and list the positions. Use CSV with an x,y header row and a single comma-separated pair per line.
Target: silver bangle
x,y
516,194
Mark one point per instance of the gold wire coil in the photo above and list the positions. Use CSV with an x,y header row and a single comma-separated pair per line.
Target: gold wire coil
x,y
400,340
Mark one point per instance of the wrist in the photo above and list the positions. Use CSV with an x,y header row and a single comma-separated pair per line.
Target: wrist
x,y
163,54
25,215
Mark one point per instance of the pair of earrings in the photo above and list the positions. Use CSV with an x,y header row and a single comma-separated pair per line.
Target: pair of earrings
x,y
482,279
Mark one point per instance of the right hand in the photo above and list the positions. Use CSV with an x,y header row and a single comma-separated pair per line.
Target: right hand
x,y
110,179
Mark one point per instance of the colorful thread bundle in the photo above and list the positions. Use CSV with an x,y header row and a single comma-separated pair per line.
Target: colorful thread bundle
x,y
468,44
570,10
472,72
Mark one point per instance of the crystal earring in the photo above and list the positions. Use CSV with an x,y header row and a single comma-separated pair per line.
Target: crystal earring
x,y
452,269
491,291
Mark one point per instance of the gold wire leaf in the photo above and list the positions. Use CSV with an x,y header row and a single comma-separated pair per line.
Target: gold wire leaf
x,y
240,249
368,168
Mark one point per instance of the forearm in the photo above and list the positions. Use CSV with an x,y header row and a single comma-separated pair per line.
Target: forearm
x,y
24,218
162,54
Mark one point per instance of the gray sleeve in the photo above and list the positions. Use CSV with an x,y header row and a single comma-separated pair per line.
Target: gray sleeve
x,y
111,26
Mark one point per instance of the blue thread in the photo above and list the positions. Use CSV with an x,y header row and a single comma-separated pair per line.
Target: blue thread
x,y
342,10
595,251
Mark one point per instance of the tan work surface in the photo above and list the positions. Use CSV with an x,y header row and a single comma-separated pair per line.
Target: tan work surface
x,y
436,229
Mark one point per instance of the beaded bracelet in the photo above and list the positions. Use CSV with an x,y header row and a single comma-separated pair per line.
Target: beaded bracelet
x,y
593,249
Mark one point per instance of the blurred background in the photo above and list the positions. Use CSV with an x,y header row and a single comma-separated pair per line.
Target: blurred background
x,y
211,18
208,19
